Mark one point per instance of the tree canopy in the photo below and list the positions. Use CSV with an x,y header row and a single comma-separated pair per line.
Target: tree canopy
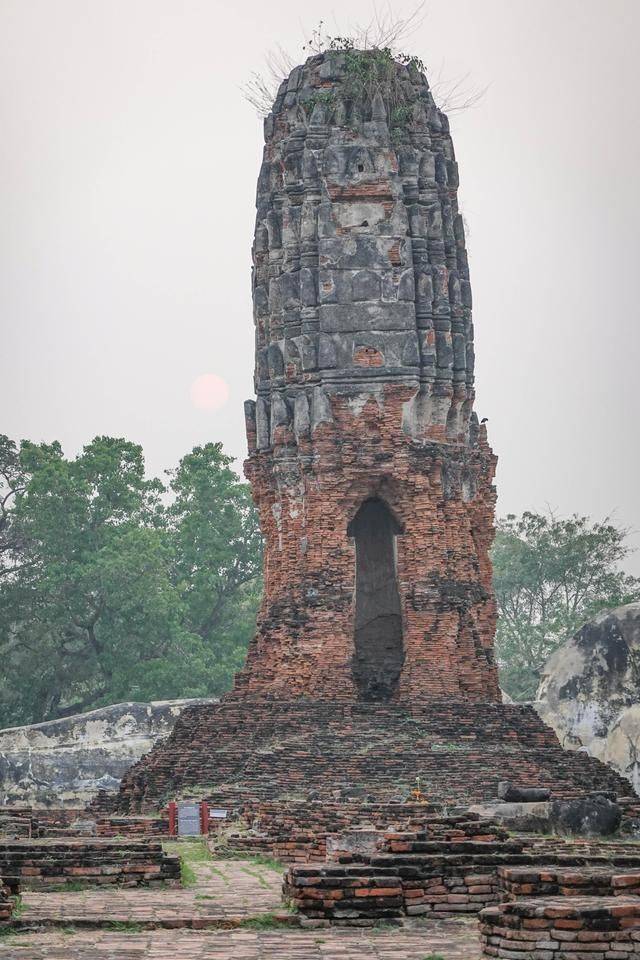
x,y
113,586
550,576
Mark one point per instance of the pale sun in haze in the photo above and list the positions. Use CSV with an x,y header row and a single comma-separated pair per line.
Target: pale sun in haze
x,y
209,392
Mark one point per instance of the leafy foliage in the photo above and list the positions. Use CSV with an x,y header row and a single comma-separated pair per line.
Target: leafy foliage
x,y
367,73
106,592
216,537
374,71
551,575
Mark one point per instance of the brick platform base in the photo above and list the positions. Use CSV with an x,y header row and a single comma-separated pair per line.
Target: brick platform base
x,y
303,750
453,866
40,863
297,832
9,890
551,881
63,822
449,867
561,929
16,822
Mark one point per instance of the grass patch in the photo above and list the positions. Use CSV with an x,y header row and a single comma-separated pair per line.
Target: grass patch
x,y
269,862
71,886
19,907
205,896
222,851
188,877
125,926
262,921
195,851
189,852
433,956
257,876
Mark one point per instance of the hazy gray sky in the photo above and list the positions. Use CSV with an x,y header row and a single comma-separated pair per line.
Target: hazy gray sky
x,y
128,162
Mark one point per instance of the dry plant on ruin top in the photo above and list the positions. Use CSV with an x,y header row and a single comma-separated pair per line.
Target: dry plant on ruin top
x,y
376,45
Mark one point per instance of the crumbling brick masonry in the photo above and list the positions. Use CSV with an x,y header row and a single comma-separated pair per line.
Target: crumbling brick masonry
x,y
371,473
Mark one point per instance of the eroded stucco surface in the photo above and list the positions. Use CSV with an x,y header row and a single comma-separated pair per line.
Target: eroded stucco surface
x,y
590,690
68,761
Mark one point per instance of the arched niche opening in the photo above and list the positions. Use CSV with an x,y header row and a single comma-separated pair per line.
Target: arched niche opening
x,y
379,651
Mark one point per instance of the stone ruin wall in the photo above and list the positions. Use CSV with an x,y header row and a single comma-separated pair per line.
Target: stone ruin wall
x,y
364,382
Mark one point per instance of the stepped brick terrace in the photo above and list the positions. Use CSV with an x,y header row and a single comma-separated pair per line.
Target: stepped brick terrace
x,y
277,750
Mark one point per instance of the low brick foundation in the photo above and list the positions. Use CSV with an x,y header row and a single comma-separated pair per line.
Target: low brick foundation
x,y
296,832
449,867
325,816
63,822
553,881
454,865
295,848
16,822
9,890
561,929
58,821
6,905
133,826
39,863
360,894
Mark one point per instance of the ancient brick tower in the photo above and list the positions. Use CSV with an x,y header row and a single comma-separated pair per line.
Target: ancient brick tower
x,y
372,663
371,473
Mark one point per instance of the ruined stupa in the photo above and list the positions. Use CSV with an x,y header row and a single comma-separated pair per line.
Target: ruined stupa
x,y
372,663
366,460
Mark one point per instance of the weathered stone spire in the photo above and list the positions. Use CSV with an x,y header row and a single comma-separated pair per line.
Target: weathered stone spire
x,y
362,440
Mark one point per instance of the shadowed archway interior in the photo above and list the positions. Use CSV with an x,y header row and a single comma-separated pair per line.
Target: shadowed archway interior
x,y
379,652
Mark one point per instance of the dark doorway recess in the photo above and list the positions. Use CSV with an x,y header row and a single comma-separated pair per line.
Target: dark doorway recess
x,y
379,653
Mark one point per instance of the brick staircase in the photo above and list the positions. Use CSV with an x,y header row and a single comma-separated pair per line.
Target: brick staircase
x,y
281,750
517,883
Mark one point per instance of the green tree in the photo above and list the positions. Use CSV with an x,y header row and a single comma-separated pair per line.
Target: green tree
x,y
15,475
550,576
218,555
97,602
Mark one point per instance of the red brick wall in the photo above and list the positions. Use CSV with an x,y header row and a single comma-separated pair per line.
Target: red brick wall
x,y
308,490
368,357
